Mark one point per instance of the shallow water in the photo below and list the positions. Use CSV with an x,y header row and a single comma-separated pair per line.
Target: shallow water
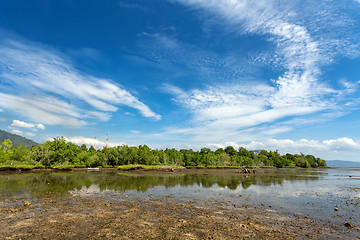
x,y
313,193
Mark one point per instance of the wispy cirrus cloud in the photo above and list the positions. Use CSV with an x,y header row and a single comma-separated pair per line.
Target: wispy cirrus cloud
x,y
226,111
43,109
182,59
67,96
237,113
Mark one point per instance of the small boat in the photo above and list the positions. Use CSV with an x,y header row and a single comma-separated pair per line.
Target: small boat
x,y
95,169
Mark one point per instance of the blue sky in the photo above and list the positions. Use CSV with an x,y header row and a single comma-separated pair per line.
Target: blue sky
x,y
275,75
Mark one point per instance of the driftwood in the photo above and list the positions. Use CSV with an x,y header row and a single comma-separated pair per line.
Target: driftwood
x,y
248,170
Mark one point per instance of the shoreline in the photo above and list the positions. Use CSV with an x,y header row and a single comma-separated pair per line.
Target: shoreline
x,y
153,168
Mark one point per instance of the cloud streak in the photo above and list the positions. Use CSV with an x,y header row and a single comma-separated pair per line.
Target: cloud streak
x,y
225,112
44,109
43,72
169,53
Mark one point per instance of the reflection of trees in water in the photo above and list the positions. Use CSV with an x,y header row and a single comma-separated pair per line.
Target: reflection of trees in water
x,y
63,182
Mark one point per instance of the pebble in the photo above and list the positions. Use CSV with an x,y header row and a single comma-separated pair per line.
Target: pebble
x,y
348,225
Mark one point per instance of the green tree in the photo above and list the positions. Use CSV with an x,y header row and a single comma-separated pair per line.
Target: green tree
x,y
7,144
230,150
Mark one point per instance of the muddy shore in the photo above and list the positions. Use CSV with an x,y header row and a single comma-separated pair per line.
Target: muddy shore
x,y
131,217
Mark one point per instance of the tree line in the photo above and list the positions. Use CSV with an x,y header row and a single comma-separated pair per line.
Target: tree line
x,y
59,152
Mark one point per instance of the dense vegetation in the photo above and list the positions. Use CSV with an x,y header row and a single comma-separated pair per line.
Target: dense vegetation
x,y
61,154
16,140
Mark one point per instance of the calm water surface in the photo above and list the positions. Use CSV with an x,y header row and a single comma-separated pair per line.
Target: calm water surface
x,y
306,192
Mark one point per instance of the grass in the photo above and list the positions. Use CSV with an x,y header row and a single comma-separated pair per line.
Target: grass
x,y
21,167
221,167
146,167
25,167
63,167
161,167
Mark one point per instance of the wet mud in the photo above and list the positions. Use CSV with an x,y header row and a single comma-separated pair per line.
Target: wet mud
x,y
124,216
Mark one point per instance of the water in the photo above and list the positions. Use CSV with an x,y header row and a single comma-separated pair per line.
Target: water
x,y
312,193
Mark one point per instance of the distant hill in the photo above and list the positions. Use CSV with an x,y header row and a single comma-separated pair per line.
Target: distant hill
x,y
343,164
16,139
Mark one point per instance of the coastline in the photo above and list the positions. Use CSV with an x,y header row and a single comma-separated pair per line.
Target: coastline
x,y
137,167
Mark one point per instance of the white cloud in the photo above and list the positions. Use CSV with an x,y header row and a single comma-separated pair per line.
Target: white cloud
x,y
20,124
79,140
276,130
48,110
21,133
226,112
29,134
287,145
341,148
33,70
40,126
17,132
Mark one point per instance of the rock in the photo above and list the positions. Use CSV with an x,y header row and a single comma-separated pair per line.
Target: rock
x,y
348,225
27,203
336,209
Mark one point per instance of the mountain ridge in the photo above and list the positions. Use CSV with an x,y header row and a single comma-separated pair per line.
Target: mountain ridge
x,y
16,139
342,164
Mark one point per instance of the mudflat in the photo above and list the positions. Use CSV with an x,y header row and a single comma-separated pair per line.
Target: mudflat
x,y
127,217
